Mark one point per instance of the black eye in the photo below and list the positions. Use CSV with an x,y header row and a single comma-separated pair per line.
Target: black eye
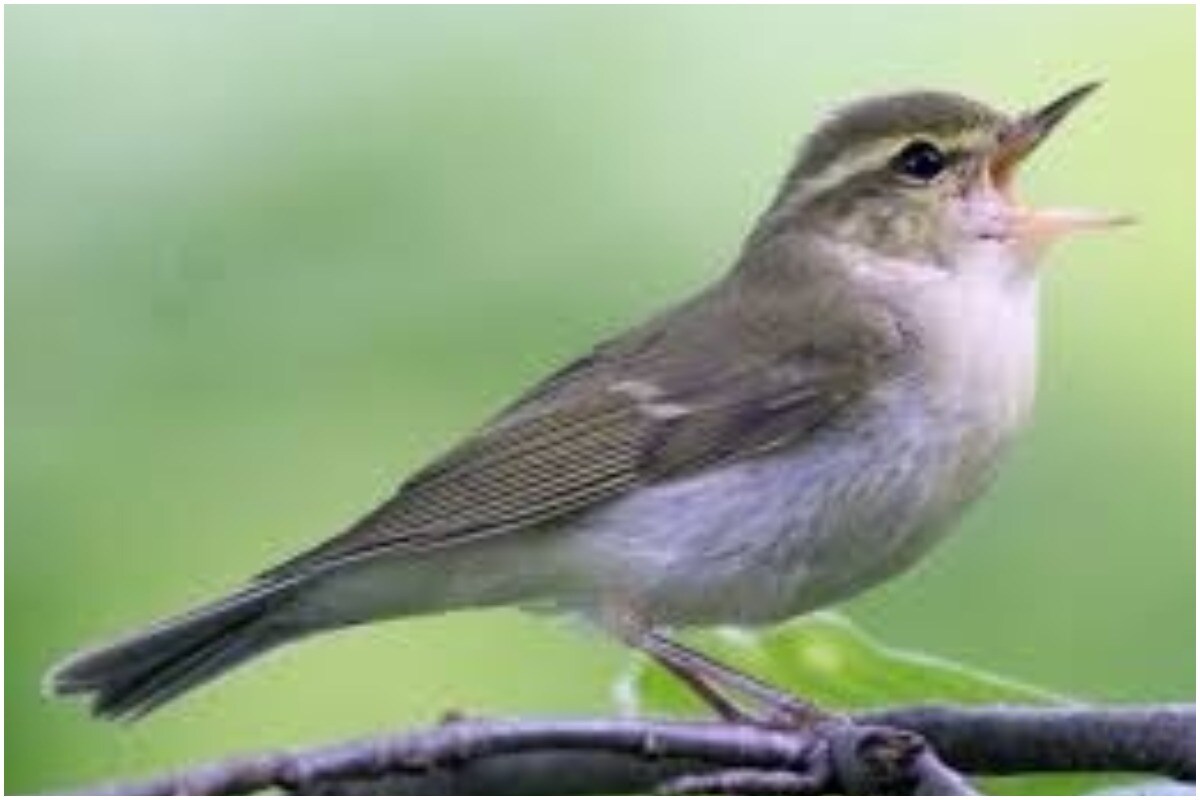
x,y
919,160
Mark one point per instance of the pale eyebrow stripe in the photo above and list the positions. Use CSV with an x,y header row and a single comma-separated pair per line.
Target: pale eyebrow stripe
x,y
872,155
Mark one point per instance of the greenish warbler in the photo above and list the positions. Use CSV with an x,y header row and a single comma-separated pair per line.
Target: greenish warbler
x,y
802,429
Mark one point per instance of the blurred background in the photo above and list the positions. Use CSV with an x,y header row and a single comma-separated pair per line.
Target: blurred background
x,y
263,262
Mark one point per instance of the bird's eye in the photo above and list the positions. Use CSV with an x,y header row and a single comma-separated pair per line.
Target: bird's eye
x,y
919,160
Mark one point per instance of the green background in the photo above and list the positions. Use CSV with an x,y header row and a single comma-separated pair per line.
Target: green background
x,y
262,262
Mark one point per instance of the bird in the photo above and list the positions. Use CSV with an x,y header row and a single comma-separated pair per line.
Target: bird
x,y
803,428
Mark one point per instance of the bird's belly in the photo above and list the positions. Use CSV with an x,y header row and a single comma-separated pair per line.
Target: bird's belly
x,y
784,534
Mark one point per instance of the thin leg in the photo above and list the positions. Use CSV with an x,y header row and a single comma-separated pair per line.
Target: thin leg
x,y
698,670
727,709
718,685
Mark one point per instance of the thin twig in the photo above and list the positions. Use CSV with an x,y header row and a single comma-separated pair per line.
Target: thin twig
x,y
743,781
1002,740
904,750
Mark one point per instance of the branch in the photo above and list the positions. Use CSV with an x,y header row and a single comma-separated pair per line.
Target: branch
x,y
1157,739
898,751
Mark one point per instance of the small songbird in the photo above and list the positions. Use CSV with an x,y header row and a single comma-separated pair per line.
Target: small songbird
x,y
802,429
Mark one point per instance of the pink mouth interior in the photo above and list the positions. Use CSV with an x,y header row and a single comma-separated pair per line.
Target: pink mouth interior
x,y
1002,171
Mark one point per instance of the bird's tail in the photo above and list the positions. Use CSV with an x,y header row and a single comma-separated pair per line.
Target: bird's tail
x,y
135,675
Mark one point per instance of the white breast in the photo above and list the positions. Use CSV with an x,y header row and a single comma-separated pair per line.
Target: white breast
x,y
979,332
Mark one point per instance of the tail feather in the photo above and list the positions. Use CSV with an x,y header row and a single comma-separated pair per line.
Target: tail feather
x,y
133,676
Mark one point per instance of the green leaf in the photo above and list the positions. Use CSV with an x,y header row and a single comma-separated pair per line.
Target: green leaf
x,y
826,659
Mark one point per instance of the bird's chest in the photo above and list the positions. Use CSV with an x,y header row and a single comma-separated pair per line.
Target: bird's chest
x,y
847,508
925,446
978,365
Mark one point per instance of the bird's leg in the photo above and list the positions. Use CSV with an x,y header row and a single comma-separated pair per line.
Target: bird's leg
x,y
732,694
726,708
707,678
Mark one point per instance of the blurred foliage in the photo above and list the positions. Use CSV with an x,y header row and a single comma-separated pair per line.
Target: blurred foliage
x,y
263,261
827,660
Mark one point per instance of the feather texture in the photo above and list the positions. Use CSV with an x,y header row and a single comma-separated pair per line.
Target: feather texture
x,y
724,381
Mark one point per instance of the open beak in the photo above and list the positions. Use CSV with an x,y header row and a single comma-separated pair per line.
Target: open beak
x,y
1023,136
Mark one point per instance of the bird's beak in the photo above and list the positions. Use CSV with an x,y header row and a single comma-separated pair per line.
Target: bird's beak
x,y
1021,138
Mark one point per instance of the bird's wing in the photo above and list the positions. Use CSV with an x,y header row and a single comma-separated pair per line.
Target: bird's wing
x,y
632,413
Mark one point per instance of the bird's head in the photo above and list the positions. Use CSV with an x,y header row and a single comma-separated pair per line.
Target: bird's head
x,y
927,177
